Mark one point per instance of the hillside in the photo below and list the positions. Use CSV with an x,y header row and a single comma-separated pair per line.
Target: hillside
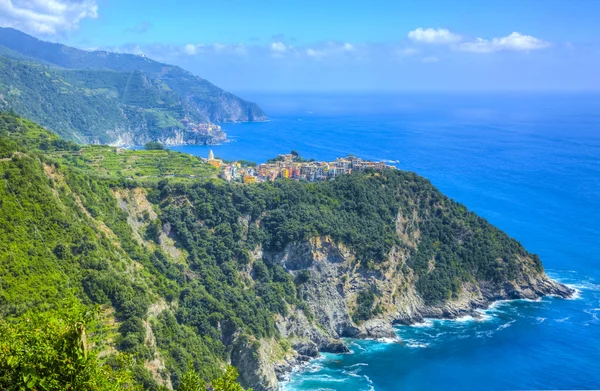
x,y
110,97
214,103
196,271
101,106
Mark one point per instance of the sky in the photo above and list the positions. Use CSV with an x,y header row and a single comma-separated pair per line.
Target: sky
x,y
339,46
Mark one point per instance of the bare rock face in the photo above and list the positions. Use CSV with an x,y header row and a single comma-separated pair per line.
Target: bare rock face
x,y
255,369
329,280
334,279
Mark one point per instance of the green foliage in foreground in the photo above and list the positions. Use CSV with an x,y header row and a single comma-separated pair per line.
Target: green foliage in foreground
x,y
18,134
45,352
139,165
191,381
42,352
365,306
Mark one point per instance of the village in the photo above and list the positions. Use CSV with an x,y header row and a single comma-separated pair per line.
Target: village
x,y
291,166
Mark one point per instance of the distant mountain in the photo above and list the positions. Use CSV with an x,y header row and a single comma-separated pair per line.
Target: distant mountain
x,y
104,97
101,106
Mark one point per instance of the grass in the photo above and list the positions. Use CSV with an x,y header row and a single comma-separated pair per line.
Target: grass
x,y
149,166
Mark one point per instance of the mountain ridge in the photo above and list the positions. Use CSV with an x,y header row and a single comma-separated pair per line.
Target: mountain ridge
x,y
198,101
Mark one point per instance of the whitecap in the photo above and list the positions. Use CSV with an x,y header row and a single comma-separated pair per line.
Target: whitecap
x,y
360,364
577,294
412,343
505,325
484,316
326,378
593,312
425,323
387,340
358,347
485,334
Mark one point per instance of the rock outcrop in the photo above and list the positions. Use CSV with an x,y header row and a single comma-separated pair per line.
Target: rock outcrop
x,y
333,279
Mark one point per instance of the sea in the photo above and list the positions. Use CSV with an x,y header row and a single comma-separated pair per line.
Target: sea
x,y
529,163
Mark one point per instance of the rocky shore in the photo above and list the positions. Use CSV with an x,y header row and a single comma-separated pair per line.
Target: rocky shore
x,y
334,280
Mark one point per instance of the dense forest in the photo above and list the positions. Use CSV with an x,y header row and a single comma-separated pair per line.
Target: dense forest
x,y
79,273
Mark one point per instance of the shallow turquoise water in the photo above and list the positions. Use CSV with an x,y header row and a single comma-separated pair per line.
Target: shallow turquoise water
x,y
530,164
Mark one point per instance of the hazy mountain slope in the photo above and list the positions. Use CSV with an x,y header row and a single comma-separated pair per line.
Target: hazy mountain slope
x,y
214,103
102,106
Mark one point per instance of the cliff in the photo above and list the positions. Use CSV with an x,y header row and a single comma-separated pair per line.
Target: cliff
x,y
191,270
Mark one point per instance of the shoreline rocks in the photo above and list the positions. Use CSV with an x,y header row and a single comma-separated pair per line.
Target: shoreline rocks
x,y
335,279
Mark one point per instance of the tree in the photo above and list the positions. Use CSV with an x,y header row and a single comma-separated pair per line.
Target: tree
x,y
191,381
48,353
153,145
228,382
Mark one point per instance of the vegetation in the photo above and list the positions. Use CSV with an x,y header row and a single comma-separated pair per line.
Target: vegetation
x,y
365,306
359,210
154,146
140,165
41,352
85,99
95,105
62,234
295,158
67,236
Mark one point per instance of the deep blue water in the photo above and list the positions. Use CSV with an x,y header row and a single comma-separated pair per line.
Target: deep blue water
x,y
530,164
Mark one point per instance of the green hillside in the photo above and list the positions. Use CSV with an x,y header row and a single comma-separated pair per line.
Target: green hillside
x,y
98,106
210,101
181,267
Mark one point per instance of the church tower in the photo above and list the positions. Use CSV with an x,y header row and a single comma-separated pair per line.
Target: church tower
x,y
211,155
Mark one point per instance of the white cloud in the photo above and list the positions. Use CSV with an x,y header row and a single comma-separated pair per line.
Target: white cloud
x,y
219,47
191,48
349,47
334,48
48,17
315,53
435,36
278,47
515,41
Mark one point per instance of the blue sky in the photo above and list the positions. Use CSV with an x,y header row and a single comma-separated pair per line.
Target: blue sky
x,y
377,45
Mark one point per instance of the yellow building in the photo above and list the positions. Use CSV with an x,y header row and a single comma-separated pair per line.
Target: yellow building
x,y
249,179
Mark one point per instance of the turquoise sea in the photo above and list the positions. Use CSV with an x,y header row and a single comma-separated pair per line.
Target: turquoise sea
x,y
529,163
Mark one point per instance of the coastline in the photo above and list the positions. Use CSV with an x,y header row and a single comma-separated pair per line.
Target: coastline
x,y
476,314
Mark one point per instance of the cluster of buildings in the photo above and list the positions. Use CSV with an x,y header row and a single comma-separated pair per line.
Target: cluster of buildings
x,y
292,167
202,128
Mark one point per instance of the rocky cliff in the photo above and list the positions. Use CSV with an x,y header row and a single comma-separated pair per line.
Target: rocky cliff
x,y
334,280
